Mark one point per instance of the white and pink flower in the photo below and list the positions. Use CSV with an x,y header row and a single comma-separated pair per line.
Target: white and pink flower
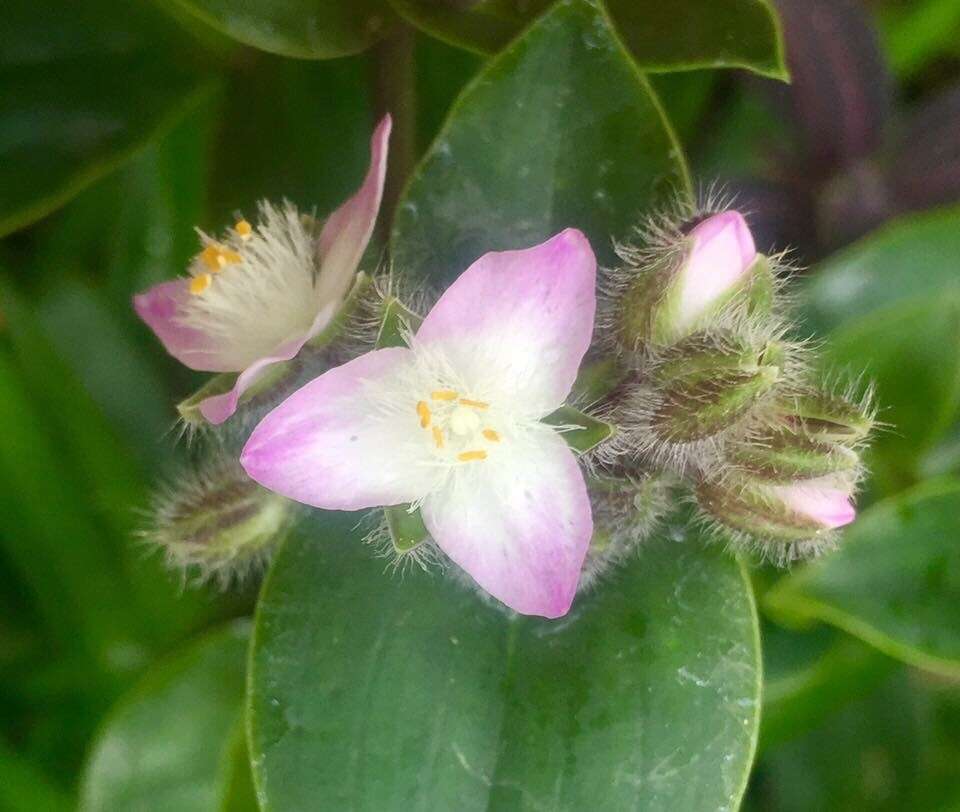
x,y
256,296
453,425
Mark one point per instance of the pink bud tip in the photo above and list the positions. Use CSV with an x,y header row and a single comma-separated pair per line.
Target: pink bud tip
x,y
722,251
831,507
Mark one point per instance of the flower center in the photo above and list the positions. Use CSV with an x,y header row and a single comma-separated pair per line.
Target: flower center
x,y
253,289
456,425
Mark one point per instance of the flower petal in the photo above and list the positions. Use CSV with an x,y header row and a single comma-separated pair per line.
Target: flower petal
x,y
218,408
519,322
518,523
347,231
160,308
829,506
330,444
721,254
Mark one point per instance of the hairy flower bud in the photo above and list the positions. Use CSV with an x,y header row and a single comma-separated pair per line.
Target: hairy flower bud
x,y
625,513
781,521
688,400
219,523
829,417
683,277
786,455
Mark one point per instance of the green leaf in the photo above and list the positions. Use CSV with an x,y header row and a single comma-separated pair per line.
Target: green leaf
x,y
24,786
915,34
85,87
499,176
371,691
808,675
894,582
303,29
672,36
169,743
581,431
239,794
910,258
911,353
892,748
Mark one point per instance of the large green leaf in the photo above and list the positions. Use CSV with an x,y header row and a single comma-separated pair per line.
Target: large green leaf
x,y
305,29
169,744
84,86
374,692
894,747
679,35
894,582
559,130
911,354
891,307
912,257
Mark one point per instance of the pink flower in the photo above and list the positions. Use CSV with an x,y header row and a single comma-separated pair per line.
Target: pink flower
x,y
258,295
453,426
720,254
827,501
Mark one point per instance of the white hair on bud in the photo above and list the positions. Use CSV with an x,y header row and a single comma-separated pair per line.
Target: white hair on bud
x,y
626,512
187,549
635,407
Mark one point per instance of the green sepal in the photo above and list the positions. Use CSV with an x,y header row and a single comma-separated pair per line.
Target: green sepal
x,y
397,320
761,287
583,432
407,530
785,455
829,417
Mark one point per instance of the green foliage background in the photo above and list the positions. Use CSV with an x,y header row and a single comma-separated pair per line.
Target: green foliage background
x,y
338,686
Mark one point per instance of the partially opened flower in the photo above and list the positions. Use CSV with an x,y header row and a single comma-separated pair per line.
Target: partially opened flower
x,y
453,425
258,294
677,280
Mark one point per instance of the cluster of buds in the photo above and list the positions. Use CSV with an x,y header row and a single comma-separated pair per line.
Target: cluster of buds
x,y
715,393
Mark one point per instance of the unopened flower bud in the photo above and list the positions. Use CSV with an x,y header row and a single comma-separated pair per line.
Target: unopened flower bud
x,y
684,404
828,416
625,513
785,455
218,523
781,521
688,281
705,386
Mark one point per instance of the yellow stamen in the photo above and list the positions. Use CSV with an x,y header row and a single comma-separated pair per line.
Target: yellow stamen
x,y
470,456
228,257
423,412
491,435
243,229
211,258
437,437
443,394
200,283
476,404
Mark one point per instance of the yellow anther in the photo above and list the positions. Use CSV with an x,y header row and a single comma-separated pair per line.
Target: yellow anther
x,y
244,229
228,257
200,283
476,404
437,437
471,456
491,435
443,394
211,258
423,412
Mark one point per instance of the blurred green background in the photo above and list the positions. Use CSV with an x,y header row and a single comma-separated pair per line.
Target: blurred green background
x,y
124,126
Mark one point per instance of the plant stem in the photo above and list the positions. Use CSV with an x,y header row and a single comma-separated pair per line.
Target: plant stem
x,y
394,93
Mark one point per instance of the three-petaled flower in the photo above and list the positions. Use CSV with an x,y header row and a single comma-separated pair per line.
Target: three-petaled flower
x,y
452,424
256,296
